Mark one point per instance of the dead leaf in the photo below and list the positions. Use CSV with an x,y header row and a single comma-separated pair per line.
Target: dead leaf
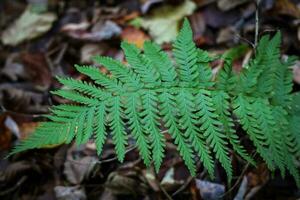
x,y
226,35
102,30
21,99
296,71
198,25
77,169
226,5
164,21
5,134
126,182
13,69
215,18
287,7
29,25
27,128
89,50
69,193
37,69
134,36
210,190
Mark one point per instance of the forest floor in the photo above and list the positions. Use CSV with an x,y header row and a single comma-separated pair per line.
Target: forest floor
x,y
43,39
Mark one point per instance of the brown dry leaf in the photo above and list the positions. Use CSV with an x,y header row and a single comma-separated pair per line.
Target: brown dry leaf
x,y
37,68
258,176
27,129
134,36
5,134
198,25
287,7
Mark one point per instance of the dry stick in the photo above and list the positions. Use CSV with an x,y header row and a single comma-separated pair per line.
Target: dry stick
x,y
239,179
256,23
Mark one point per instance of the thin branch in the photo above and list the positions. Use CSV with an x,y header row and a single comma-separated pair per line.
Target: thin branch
x,y
256,23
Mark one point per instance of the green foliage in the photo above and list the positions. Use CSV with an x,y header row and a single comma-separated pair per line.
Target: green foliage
x,y
199,111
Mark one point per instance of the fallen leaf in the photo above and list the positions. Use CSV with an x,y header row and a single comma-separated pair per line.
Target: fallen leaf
x,y
164,21
287,7
209,190
89,50
198,25
134,36
226,35
126,182
215,18
226,5
37,69
5,134
27,128
77,170
69,193
102,30
13,69
296,71
30,25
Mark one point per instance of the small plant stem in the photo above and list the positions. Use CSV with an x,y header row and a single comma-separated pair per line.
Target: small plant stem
x,y
256,23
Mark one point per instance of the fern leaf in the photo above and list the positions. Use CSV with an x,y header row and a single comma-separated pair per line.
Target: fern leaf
x,y
222,105
141,65
211,131
109,83
75,96
205,72
121,72
99,125
242,109
167,105
186,55
188,123
85,88
89,125
161,62
265,121
150,121
133,104
117,126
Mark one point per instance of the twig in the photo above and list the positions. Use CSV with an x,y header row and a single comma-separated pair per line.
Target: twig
x,y
187,182
239,179
20,182
165,192
256,23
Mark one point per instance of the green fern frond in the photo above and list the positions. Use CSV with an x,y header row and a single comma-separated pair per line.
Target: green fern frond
x,y
160,62
185,53
210,127
200,112
150,120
